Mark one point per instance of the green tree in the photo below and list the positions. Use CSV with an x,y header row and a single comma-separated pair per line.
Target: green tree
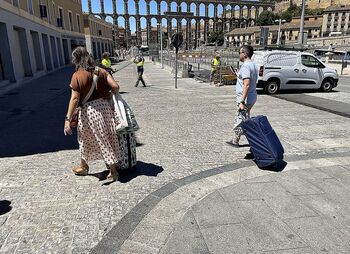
x,y
295,11
267,18
216,37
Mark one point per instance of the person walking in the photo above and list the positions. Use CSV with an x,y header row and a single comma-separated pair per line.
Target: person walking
x,y
106,63
97,136
214,67
140,62
246,94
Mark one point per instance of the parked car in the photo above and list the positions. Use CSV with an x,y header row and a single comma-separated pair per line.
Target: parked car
x,y
280,70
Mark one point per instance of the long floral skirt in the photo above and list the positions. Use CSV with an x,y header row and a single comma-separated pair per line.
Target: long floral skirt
x,y
97,136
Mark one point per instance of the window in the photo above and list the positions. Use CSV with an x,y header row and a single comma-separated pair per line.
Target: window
x,y
15,3
310,61
60,21
70,20
30,6
78,23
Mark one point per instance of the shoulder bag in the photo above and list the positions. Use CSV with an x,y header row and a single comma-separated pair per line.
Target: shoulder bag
x,y
75,116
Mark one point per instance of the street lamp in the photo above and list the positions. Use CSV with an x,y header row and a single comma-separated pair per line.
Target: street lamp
x,y
279,21
301,32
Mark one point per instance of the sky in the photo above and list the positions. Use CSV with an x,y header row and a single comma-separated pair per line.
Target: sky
x,y
153,8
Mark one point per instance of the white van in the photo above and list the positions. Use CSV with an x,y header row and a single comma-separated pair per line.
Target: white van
x,y
293,70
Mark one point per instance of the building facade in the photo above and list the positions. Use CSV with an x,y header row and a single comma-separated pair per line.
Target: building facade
x,y
336,20
289,32
98,35
37,36
283,5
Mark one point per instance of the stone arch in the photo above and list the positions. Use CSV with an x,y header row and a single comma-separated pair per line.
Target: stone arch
x,y
108,7
173,6
228,10
96,7
202,10
211,8
183,6
163,7
142,7
193,9
132,22
153,7
211,25
98,16
220,10
173,24
245,12
109,19
252,12
121,21
131,7
143,23
237,11
203,32
144,33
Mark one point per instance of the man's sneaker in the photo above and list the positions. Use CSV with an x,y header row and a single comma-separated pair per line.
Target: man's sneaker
x,y
249,156
136,85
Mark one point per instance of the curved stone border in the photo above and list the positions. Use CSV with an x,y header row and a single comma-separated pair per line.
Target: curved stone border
x,y
173,199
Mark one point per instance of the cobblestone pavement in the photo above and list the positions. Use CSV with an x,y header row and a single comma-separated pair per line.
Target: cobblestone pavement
x,y
183,132
297,211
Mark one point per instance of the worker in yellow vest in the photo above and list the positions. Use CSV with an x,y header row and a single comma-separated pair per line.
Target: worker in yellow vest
x,y
106,63
214,66
140,62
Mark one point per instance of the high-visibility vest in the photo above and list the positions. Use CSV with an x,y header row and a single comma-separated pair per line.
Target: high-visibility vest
x,y
140,64
106,62
216,63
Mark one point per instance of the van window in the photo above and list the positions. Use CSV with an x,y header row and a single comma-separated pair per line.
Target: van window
x,y
282,59
309,61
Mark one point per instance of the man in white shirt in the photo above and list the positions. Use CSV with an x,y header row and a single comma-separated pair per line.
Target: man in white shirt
x,y
246,94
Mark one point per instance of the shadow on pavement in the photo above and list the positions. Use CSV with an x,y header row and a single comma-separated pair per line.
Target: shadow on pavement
x,y
303,91
32,116
276,168
141,168
5,206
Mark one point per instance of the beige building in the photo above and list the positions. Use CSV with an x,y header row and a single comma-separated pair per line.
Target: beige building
x,y
283,5
336,20
37,36
98,35
289,32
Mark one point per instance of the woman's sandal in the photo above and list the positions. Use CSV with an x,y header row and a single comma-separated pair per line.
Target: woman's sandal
x,y
80,171
113,176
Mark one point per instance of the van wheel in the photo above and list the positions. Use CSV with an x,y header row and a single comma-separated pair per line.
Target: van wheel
x,y
271,87
327,85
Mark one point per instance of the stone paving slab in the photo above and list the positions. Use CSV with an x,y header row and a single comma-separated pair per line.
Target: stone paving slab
x,y
183,133
253,225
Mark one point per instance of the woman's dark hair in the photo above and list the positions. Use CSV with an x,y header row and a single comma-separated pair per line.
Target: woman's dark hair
x,y
81,58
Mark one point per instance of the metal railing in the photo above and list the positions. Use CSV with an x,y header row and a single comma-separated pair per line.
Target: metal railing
x,y
198,62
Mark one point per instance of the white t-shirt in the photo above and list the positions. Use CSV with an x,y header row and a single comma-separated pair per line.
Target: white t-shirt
x,y
248,70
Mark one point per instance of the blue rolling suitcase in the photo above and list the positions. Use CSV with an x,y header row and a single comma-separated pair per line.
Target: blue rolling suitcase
x,y
264,143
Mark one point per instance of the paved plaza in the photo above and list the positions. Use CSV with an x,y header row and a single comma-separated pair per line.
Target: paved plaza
x,y
190,191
